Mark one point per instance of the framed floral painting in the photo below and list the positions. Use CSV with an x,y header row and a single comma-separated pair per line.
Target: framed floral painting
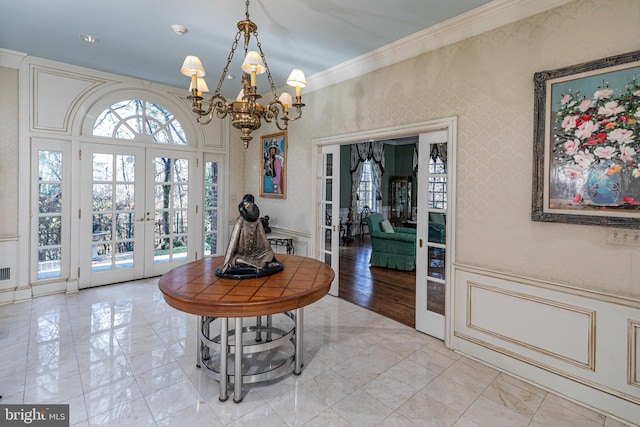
x,y
587,143
273,165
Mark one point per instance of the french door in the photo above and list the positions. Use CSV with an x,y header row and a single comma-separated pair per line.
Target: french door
x,y
329,214
137,213
432,260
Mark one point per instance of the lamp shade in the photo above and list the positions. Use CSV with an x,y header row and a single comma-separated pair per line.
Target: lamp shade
x,y
202,85
192,66
286,99
296,78
253,59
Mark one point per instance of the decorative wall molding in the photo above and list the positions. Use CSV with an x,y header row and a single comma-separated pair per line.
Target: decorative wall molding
x,y
477,21
11,58
55,95
582,339
555,286
633,362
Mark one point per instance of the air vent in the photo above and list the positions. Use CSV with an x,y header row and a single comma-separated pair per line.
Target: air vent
x,y
5,273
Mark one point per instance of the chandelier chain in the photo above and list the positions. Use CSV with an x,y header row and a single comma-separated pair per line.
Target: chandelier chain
x,y
226,67
273,86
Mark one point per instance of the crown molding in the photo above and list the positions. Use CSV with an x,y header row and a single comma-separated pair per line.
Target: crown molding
x,y
477,21
11,58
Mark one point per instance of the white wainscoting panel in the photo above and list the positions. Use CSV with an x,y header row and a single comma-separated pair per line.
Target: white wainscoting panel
x,y
634,353
581,344
526,321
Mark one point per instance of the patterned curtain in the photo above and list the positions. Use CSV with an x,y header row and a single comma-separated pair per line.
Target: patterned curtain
x,y
377,166
360,153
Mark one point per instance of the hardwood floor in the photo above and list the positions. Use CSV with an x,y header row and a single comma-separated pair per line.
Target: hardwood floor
x,y
391,293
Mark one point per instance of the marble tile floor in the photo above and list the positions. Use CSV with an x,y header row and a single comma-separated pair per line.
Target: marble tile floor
x,y
120,356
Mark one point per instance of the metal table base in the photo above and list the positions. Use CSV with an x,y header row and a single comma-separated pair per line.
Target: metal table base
x,y
265,351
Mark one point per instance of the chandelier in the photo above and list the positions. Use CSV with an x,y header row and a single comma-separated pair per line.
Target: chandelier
x,y
245,111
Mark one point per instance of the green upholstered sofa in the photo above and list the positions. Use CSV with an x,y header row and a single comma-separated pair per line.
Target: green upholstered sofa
x,y
395,250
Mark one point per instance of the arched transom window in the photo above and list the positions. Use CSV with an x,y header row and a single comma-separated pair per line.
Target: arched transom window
x,y
139,120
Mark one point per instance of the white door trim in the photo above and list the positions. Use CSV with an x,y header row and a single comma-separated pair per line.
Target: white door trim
x,y
450,124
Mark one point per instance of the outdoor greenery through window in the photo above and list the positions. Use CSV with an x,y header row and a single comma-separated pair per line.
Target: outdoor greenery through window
x,y
367,189
210,208
50,196
139,120
171,208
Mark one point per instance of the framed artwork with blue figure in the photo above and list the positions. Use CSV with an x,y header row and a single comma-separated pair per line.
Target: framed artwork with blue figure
x,y
587,143
273,171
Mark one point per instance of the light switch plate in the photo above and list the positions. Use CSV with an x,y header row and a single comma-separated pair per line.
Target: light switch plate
x,y
624,237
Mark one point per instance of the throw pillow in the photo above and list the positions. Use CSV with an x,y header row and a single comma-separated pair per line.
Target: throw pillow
x,y
386,226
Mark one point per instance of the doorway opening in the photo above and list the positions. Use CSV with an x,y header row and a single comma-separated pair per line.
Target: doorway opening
x,y
432,297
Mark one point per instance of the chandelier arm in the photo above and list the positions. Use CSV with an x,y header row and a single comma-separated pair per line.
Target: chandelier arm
x,y
217,105
274,109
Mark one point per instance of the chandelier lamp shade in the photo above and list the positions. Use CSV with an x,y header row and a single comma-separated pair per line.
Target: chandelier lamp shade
x,y
245,111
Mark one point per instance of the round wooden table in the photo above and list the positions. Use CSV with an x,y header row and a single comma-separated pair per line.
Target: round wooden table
x,y
195,288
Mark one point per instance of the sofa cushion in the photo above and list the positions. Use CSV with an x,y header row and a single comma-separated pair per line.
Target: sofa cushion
x,y
386,226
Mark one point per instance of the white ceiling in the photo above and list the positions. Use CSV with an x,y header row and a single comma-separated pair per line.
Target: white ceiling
x,y
136,38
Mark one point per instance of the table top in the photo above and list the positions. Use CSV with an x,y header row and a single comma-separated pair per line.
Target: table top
x,y
194,288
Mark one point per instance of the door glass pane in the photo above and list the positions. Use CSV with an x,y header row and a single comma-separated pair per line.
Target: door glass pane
x,y
50,200
124,225
125,197
210,208
328,165
326,244
180,221
49,231
171,209
102,167
112,204
436,263
49,263
328,190
49,214
436,219
435,297
180,197
125,168
437,228
102,197
49,165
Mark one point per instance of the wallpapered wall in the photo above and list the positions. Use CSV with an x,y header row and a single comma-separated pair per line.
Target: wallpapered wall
x,y
8,152
487,82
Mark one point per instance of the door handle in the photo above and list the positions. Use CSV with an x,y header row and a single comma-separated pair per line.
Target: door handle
x,y
420,242
148,218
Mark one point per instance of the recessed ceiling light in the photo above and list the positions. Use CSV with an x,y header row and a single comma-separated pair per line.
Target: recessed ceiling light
x,y
230,77
179,29
89,38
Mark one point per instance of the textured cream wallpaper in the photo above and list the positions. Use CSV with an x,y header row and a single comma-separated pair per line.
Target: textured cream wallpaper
x,y
487,82
8,152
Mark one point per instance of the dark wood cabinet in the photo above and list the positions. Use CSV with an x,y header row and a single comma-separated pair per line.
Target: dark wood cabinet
x,y
400,199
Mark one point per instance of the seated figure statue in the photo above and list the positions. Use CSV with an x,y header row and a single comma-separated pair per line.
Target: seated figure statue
x,y
249,253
